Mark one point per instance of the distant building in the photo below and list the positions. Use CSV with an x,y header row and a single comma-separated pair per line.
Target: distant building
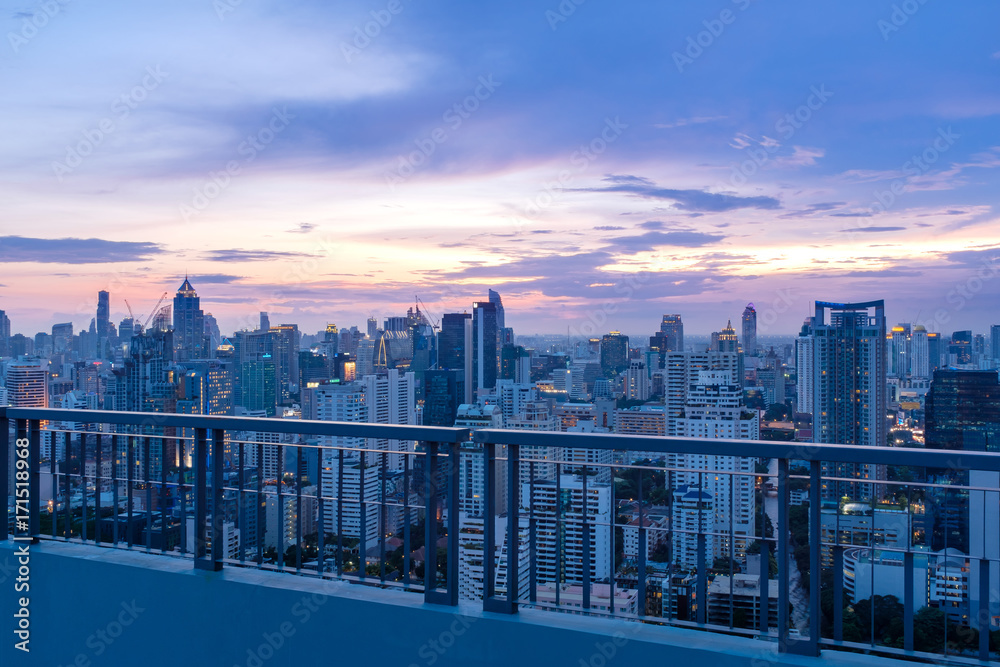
x,y
962,411
189,324
750,330
614,354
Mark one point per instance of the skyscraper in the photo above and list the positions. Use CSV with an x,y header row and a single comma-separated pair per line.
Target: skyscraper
x,y
28,384
963,411
673,327
614,354
189,323
103,323
451,341
961,347
994,340
849,387
4,334
750,330
485,360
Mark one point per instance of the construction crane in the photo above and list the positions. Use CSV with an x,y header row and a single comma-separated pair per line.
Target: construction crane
x,y
152,313
434,323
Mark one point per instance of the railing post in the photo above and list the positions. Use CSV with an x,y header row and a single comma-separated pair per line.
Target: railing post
x,y
513,528
781,535
490,603
453,480
815,562
202,560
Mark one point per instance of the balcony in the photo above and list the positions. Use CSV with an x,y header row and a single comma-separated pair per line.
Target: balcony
x,y
181,539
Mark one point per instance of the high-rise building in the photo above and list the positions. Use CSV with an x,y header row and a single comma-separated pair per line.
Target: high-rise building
x,y
673,328
62,338
750,330
849,387
213,336
515,364
444,391
614,354
4,334
372,330
103,324
994,341
485,361
256,371
286,359
189,324
961,347
559,511
452,349
683,370
28,383
963,411
771,377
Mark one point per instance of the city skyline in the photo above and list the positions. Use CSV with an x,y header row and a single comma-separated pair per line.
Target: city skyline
x,y
318,169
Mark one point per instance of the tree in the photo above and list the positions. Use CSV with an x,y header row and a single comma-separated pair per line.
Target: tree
x,y
929,629
776,412
660,553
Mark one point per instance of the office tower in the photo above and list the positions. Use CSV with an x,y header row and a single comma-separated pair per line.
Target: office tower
x,y
102,324
994,341
962,411
372,327
286,359
614,354
935,351
189,324
961,347
256,371
494,298
313,369
849,388
444,391
62,338
771,377
451,341
213,336
19,345
920,362
485,361
395,323
265,321
515,364
150,385
673,328
898,353
750,331
559,551
4,334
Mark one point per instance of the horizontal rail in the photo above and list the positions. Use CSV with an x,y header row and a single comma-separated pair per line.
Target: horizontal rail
x,y
268,424
795,451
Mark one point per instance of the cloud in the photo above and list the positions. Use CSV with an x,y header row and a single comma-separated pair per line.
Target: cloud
x,y
802,156
608,228
251,255
884,273
210,278
687,200
74,250
875,230
681,122
650,240
303,228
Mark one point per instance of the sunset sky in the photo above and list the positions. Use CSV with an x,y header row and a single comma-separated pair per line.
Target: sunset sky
x,y
602,162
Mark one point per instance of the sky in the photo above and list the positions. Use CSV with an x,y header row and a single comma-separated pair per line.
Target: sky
x,y
599,164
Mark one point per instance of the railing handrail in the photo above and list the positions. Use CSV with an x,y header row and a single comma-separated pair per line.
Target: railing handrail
x,y
804,451
228,423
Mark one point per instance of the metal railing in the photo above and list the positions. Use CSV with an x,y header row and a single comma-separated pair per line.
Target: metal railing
x,y
548,525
